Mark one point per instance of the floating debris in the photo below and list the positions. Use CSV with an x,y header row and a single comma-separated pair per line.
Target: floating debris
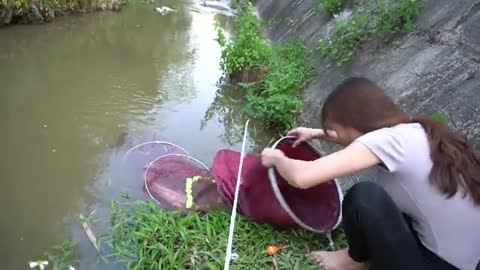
x,y
164,10
89,232
39,264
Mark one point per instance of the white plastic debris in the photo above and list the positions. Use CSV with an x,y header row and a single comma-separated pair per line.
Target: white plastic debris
x,y
164,10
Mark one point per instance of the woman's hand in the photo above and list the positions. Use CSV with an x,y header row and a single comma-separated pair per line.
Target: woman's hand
x,y
302,134
271,156
305,134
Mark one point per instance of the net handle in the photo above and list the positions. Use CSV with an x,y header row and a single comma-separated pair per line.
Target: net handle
x,y
276,190
229,255
164,156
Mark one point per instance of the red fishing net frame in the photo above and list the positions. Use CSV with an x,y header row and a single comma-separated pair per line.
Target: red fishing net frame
x,y
200,165
281,199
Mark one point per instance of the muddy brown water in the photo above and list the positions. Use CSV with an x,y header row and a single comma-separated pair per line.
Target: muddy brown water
x,y
75,94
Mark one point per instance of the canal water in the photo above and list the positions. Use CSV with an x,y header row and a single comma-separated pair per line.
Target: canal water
x,y
77,93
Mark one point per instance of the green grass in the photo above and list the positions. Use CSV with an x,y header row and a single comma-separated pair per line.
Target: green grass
x,y
247,49
143,236
379,18
344,40
276,101
62,255
276,73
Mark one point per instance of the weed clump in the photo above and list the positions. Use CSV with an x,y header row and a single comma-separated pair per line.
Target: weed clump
x,y
378,19
247,50
275,73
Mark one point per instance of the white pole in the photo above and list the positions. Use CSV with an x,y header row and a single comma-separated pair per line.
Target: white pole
x,y
228,256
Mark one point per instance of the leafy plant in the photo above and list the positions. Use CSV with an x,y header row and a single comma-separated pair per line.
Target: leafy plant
x,y
273,97
394,17
331,6
276,102
278,111
144,236
378,18
247,49
62,255
342,43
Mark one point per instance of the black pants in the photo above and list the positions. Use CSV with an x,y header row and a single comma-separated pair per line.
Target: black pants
x,y
379,233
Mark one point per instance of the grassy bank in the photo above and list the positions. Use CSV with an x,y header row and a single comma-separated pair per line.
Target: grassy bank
x,y
143,236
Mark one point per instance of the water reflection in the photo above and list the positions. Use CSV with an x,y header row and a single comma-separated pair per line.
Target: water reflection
x,y
227,108
77,93
70,89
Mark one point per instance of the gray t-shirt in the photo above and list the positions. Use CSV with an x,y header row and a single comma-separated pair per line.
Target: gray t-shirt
x,y
448,227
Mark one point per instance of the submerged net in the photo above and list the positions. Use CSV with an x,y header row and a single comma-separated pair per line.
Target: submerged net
x,y
182,182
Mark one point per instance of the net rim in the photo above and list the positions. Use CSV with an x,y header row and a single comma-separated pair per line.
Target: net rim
x,y
164,156
154,142
286,207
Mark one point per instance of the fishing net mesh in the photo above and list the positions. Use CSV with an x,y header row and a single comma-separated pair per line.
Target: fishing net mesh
x,y
319,207
174,179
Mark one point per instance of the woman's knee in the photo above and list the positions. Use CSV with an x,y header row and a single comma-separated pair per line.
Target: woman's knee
x,y
367,195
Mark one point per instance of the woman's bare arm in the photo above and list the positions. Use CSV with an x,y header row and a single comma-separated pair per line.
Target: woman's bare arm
x,y
305,174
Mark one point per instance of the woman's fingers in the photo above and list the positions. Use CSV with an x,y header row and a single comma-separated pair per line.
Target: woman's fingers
x,y
297,142
293,132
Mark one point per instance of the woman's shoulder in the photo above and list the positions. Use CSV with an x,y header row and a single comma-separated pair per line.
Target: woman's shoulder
x,y
398,131
394,145
407,127
408,132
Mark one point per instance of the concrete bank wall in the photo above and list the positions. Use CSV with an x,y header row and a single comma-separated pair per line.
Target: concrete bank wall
x,y
436,68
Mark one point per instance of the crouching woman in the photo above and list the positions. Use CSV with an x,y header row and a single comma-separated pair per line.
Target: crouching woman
x,y
424,210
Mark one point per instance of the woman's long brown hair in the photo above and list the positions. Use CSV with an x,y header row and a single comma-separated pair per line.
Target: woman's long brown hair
x,y
362,105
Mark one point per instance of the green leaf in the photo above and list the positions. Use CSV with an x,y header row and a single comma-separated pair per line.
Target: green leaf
x,y
440,118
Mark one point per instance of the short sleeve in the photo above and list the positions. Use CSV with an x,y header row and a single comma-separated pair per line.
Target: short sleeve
x,y
388,145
